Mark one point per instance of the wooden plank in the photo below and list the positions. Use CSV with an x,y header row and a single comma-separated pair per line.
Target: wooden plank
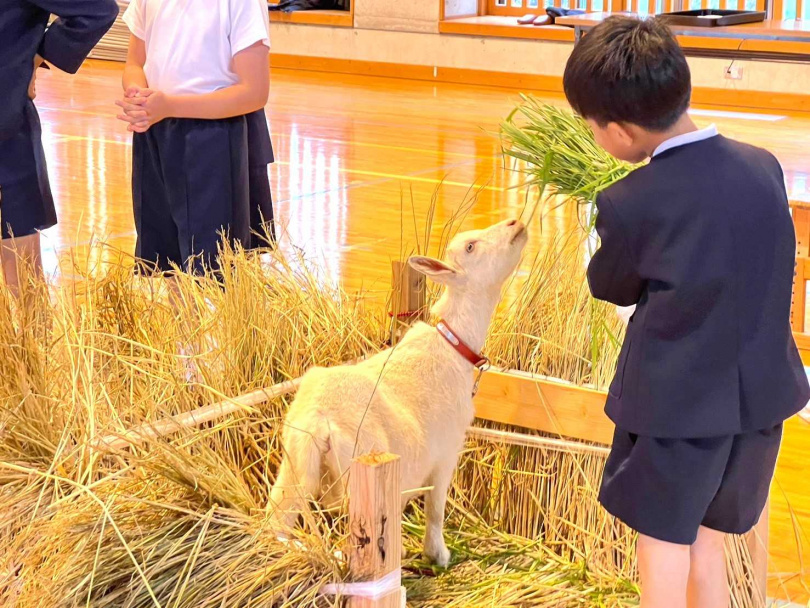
x,y
525,82
326,18
740,98
375,524
358,67
544,405
700,43
504,27
775,46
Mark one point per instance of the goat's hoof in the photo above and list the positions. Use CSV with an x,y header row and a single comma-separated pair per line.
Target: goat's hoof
x,y
439,555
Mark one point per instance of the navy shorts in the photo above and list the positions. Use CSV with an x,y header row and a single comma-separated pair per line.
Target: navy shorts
x,y
668,488
190,187
26,202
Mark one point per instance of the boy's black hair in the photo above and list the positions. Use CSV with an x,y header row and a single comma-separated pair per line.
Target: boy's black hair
x,y
629,71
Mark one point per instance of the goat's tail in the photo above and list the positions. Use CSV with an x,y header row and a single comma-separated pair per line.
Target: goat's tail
x,y
299,477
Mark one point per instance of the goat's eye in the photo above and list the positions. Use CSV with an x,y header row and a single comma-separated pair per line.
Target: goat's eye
x,y
470,247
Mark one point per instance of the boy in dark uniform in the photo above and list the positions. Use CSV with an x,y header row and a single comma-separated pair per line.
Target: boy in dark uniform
x,y
702,242
26,203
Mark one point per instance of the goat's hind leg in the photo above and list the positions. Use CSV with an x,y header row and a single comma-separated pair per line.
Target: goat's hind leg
x,y
286,498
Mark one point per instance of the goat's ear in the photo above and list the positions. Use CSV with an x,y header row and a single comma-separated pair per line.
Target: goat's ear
x,y
435,269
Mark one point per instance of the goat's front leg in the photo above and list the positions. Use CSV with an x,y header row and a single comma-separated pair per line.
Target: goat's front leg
x,y
435,502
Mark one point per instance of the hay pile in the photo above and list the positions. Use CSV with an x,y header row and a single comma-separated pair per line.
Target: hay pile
x,y
181,521
177,523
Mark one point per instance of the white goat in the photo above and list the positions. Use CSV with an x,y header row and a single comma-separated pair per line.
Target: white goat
x,y
414,400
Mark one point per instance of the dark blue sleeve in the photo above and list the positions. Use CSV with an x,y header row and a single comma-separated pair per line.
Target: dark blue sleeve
x,y
79,26
612,275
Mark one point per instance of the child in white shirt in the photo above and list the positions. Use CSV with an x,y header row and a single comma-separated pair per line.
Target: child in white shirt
x,y
196,73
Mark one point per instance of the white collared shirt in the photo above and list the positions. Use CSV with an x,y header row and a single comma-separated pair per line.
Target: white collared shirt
x,y
686,138
190,44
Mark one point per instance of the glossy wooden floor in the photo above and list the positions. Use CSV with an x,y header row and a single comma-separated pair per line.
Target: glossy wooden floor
x,y
350,150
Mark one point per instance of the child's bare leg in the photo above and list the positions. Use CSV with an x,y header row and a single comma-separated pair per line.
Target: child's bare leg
x,y
708,581
16,251
664,571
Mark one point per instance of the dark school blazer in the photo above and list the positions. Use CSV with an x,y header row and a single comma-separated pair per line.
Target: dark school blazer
x,y
702,240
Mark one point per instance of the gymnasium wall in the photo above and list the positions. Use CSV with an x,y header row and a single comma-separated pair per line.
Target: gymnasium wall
x,y
406,33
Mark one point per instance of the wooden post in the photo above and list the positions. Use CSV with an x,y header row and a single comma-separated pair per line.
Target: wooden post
x,y
757,541
408,296
375,520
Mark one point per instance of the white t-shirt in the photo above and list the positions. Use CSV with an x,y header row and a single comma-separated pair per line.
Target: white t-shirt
x,y
190,44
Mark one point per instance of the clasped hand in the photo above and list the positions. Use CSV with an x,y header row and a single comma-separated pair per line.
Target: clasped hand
x,y
142,108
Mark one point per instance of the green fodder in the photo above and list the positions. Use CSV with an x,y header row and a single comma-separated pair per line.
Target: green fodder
x,y
556,150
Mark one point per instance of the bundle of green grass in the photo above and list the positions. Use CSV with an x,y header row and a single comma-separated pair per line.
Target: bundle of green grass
x,y
559,154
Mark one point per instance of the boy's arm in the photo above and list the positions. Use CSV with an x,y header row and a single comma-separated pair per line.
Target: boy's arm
x,y
246,96
79,26
134,76
611,274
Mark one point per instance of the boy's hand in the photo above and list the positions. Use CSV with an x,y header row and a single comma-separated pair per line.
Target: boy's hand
x,y
144,108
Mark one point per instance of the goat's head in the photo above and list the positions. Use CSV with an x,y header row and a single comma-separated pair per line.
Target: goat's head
x,y
479,260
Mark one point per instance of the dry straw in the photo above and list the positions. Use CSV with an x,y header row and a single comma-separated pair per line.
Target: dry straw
x,y
181,521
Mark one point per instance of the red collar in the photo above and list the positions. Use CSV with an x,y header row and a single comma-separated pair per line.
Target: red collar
x,y
479,361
